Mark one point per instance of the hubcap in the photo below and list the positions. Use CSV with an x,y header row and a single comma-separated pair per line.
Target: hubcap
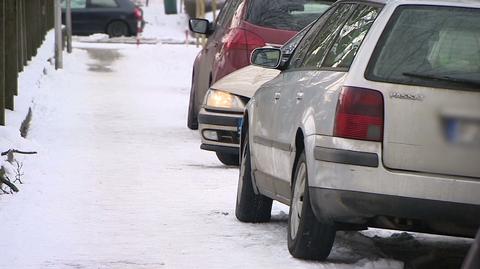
x,y
297,201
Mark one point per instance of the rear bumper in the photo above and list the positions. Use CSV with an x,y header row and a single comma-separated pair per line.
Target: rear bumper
x,y
349,183
395,212
224,125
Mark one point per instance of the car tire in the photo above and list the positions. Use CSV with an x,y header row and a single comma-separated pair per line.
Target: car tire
x,y
117,29
228,158
250,207
307,237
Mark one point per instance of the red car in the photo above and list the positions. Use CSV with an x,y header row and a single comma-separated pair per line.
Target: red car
x,y
242,26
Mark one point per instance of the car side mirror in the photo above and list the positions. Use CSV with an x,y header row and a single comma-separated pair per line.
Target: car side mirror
x,y
200,26
266,57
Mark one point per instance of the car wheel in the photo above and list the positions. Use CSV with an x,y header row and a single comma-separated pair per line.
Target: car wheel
x,y
228,158
251,207
307,238
117,29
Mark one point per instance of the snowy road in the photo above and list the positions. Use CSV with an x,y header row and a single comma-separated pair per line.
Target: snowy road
x,y
120,182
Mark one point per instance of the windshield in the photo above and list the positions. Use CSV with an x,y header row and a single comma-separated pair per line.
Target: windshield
x,y
292,15
430,46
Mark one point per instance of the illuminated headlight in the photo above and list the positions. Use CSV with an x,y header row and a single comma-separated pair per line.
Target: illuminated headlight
x,y
215,99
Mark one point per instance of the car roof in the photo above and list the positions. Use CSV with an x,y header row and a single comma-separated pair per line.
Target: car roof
x,y
465,3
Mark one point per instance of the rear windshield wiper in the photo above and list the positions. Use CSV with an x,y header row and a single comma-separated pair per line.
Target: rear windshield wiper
x,y
443,78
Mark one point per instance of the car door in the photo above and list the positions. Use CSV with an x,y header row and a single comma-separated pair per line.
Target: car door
x,y
298,76
306,85
223,36
102,12
261,128
222,25
262,124
207,57
80,17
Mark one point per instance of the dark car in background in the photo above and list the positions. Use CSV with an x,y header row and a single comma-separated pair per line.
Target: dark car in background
x,y
242,26
113,17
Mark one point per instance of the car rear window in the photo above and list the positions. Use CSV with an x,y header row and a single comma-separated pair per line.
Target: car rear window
x,y
75,4
429,46
291,15
103,3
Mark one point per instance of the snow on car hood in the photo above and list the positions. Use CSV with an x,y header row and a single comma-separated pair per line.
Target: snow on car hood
x,y
245,81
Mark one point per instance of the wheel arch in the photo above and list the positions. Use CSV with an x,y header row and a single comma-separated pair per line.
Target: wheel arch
x,y
299,145
130,31
243,132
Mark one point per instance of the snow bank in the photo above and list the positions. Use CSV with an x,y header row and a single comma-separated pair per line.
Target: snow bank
x,y
29,83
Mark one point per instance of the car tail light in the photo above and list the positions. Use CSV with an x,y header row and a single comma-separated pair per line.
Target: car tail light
x,y
242,39
138,13
359,114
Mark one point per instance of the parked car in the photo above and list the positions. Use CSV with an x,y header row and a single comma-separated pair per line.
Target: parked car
x,y
113,17
241,26
222,111
373,122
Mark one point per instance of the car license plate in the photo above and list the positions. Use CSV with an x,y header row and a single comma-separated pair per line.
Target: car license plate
x,y
463,132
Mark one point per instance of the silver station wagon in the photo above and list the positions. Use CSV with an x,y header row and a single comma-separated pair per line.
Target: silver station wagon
x,y
374,121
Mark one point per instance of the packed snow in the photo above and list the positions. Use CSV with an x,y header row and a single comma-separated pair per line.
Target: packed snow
x,y
120,182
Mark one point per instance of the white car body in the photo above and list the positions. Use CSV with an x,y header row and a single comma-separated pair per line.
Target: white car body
x,y
412,176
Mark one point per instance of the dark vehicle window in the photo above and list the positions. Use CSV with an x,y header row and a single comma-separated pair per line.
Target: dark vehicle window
x,y
291,44
228,11
306,42
429,46
223,11
103,3
285,14
345,48
75,3
327,35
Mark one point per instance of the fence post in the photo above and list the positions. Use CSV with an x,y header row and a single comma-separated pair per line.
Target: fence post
x,y
58,35
19,36
11,69
2,62
68,22
24,32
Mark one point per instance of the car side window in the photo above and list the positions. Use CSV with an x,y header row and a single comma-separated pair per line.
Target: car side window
x,y
103,3
231,12
75,4
350,38
221,16
227,12
305,43
323,41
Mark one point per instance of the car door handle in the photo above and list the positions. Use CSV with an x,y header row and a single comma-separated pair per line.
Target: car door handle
x,y
299,96
276,97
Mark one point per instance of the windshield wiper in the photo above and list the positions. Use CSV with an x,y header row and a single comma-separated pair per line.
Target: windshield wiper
x,y
443,78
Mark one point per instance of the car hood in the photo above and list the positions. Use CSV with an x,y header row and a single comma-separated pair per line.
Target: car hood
x,y
245,81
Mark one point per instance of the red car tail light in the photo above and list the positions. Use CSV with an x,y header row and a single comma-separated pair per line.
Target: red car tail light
x,y
138,13
360,114
242,39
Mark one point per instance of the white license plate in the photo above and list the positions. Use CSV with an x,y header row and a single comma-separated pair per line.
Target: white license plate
x,y
463,132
